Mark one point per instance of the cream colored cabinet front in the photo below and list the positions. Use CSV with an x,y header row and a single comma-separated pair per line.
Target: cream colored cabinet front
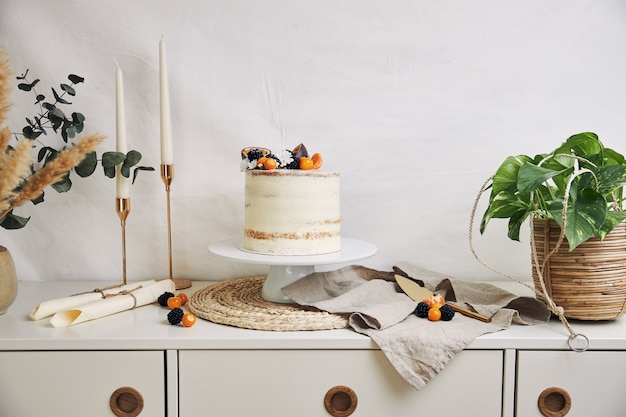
x,y
82,384
571,384
279,383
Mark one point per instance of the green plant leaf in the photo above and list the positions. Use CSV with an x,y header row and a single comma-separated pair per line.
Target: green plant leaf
x,y
39,199
58,98
88,165
68,89
610,178
23,76
27,86
613,218
140,168
505,204
132,158
77,118
76,79
47,153
505,177
582,144
531,176
29,133
584,216
112,159
64,185
515,224
12,221
109,172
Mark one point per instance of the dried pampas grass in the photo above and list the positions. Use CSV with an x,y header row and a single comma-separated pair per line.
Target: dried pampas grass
x,y
5,86
15,166
53,171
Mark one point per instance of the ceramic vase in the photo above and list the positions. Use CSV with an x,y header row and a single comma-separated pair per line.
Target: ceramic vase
x,y
8,280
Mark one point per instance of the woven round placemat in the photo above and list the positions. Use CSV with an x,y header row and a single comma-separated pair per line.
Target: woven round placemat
x,y
238,302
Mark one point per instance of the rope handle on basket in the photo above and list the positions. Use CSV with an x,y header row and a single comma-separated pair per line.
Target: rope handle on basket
x,y
554,308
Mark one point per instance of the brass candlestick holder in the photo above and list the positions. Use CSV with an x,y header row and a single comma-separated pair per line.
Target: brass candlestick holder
x,y
167,175
122,207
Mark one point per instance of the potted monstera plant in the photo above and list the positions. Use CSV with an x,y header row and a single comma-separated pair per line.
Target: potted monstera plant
x,y
574,197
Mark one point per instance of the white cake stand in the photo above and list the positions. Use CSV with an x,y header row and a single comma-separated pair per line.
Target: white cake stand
x,y
286,269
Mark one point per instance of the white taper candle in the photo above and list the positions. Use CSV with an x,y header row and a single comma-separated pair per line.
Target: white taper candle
x,y
122,183
167,156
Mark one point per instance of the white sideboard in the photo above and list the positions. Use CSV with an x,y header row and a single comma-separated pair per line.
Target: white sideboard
x,y
135,363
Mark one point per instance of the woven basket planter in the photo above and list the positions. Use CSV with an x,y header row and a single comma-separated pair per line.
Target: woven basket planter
x,y
589,282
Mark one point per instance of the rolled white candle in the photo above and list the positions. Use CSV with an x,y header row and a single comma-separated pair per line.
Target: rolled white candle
x,y
122,183
167,156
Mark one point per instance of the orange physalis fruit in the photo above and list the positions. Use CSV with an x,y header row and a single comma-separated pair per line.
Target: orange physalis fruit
x,y
174,302
435,299
269,163
306,163
260,162
434,314
188,320
317,160
183,298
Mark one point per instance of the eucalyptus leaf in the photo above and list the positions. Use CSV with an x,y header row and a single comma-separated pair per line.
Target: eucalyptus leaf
x,y
12,221
87,166
77,118
140,168
39,199
109,171
27,86
132,158
64,185
58,98
111,159
68,89
76,79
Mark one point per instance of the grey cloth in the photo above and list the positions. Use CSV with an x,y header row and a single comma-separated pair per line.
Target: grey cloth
x,y
417,348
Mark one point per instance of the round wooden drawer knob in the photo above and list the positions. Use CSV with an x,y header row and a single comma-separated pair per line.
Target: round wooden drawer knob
x,y
554,402
126,402
340,401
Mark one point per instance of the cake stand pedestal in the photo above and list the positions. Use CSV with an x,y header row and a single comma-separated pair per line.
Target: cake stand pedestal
x,y
286,269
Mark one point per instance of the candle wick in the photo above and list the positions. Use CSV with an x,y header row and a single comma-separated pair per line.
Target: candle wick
x,y
116,63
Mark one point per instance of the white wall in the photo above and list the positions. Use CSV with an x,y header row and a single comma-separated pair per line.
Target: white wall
x,y
415,102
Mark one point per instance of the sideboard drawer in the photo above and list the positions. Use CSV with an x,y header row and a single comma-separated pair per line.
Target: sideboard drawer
x,y
279,383
81,383
587,383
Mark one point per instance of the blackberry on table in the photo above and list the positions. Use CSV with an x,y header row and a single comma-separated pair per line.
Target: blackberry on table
x,y
175,316
422,310
447,313
164,297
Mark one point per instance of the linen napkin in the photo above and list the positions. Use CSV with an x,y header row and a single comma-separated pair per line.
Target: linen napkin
x,y
50,307
140,296
417,348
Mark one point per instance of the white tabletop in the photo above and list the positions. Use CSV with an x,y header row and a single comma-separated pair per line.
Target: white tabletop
x,y
147,328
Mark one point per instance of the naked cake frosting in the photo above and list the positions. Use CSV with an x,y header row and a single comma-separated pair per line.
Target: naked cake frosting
x,y
291,207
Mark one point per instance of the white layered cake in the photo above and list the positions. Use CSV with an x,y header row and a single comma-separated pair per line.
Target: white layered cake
x,y
292,212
